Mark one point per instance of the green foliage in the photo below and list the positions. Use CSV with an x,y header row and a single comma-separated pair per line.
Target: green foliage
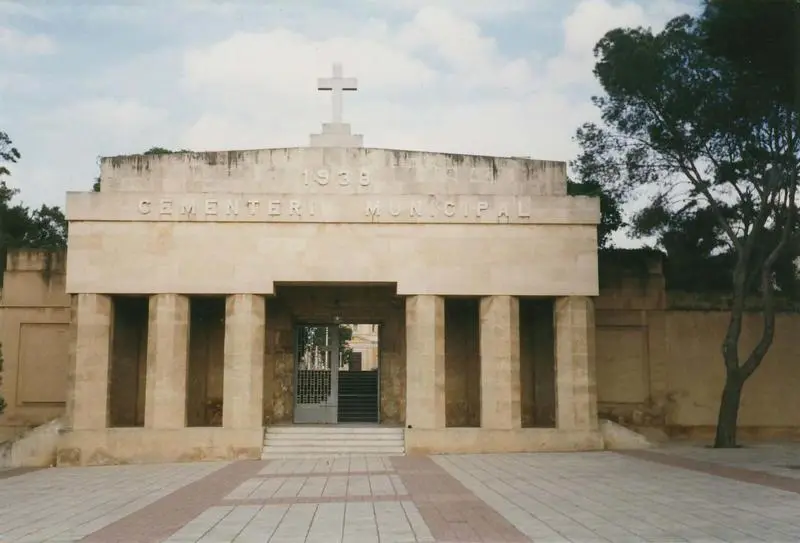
x,y
700,123
760,39
8,153
20,226
158,151
610,208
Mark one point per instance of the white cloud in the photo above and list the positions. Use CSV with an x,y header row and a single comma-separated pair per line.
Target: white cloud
x,y
478,9
14,42
284,64
106,115
472,58
9,9
17,83
433,69
589,22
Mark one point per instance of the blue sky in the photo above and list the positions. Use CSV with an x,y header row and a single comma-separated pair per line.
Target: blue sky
x,y
81,79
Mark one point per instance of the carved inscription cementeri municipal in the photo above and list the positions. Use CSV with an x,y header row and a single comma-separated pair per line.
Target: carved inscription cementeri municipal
x,y
308,206
350,209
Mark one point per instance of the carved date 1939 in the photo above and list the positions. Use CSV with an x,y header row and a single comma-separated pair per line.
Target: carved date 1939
x,y
342,178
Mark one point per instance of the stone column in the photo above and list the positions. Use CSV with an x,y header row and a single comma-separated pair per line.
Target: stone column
x,y
576,386
500,380
243,382
425,387
167,361
92,337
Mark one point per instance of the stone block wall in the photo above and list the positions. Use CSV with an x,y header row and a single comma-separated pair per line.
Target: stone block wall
x,y
659,361
34,331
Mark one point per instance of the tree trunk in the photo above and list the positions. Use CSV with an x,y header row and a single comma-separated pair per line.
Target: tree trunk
x,y
729,411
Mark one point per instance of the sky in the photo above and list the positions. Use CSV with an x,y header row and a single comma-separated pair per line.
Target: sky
x,y
81,79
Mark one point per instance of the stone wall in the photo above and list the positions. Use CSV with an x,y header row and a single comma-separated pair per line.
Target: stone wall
x,y
34,331
659,361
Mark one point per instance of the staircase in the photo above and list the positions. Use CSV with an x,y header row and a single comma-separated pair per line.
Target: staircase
x,y
358,396
310,441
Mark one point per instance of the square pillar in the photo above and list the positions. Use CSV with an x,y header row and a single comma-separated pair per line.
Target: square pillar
x,y
243,382
92,343
501,394
167,361
576,385
425,386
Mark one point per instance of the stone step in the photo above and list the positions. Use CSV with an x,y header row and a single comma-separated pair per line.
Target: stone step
x,y
333,446
318,429
297,452
331,443
280,455
328,436
316,441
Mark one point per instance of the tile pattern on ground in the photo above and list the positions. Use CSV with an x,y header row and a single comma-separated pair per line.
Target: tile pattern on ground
x,y
782,459
353,499
744,475
159,519
611,497
659,495
450,510
67,504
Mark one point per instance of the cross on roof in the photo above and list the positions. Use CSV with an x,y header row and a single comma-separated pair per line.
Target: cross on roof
x,y
337,84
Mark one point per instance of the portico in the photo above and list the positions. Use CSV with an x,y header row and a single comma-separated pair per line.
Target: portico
x,y
192,275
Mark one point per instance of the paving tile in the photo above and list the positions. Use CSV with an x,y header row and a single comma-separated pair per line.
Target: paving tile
x,y
676,494
70,503
613,497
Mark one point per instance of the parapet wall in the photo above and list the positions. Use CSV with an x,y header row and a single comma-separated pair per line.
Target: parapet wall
x,y
332,171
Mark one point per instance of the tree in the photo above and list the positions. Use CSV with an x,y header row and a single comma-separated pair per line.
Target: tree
x,y
314,340
8,153
692,125
610,208
20,227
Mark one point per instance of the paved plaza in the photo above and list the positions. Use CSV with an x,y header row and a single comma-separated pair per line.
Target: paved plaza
x,y
677,493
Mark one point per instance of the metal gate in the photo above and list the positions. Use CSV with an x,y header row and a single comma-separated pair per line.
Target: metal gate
x,y
316,374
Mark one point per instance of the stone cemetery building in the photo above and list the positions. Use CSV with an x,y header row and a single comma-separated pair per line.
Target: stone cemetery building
x,y
206,302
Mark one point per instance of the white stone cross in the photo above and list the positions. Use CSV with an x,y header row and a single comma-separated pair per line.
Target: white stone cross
x,y
337,84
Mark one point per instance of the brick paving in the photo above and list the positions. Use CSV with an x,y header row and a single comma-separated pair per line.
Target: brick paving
x,y
670,494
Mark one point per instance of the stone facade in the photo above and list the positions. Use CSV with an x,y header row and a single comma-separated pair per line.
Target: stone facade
x,y
270,235
653,372
197,281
